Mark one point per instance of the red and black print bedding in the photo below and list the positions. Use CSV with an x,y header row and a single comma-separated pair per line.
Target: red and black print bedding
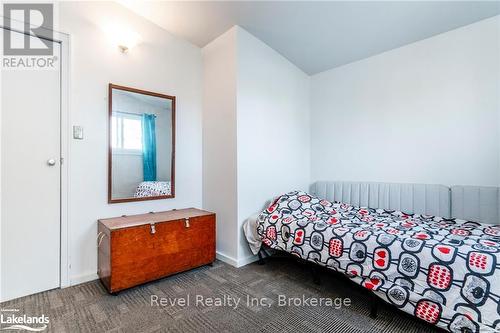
x,y
444,271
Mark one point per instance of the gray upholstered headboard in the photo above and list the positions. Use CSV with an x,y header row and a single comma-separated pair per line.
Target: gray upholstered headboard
x,y
475,203
409,198
472,203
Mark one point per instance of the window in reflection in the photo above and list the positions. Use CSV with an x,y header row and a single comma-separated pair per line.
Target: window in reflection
x,y
126,131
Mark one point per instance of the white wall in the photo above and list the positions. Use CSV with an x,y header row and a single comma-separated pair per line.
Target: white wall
x,y
273,129
255,123
219,140
255,120
427,112
162,63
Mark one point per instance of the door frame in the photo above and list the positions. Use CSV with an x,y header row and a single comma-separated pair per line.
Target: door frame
x,y
65,135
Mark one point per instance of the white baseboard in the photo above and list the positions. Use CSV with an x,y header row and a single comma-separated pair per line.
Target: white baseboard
x,y
79,279
248,260
236,262
227,259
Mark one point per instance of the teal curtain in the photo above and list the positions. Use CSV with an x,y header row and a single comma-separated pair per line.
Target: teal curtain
x,y
149,147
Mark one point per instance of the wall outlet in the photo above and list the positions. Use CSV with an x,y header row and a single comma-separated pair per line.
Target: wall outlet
x,y
78,132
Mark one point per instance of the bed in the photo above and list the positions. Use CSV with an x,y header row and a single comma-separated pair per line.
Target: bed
x,y
152,189
440,269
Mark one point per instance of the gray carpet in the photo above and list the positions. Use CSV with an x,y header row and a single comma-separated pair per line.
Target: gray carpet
x,y
88,308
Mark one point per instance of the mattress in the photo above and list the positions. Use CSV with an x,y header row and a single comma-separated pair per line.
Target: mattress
x,y
443,271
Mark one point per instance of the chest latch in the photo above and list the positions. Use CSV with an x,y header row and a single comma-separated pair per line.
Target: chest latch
x,y
186,222
153,228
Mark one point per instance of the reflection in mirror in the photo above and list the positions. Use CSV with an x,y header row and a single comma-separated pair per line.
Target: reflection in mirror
x,y
142,132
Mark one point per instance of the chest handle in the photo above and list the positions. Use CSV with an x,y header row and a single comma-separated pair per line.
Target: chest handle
x,y
186,222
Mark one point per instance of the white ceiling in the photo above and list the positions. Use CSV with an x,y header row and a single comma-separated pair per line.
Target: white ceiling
x,y
156,102
316,36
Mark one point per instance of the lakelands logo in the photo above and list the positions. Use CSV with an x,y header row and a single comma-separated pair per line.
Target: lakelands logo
x,y
11,320
28,36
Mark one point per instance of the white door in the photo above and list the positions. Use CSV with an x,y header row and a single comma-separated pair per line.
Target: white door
x,y
30,180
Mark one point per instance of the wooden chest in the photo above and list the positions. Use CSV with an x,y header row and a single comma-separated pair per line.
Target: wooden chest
x,y
140,248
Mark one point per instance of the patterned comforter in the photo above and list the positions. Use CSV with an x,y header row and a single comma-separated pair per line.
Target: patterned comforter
x,y
444,271
152,189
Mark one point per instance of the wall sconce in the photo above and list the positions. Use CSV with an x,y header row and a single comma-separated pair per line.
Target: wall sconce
x,y
121,36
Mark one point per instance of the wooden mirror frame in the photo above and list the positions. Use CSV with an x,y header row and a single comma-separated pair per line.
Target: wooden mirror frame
x,y
110,149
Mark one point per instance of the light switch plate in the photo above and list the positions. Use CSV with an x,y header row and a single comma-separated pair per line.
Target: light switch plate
x,y
78,132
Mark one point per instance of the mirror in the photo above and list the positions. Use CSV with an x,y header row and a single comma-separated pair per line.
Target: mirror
x,y
141,145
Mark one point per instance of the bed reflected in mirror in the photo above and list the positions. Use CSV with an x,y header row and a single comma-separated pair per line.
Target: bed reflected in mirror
x,y
141,145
